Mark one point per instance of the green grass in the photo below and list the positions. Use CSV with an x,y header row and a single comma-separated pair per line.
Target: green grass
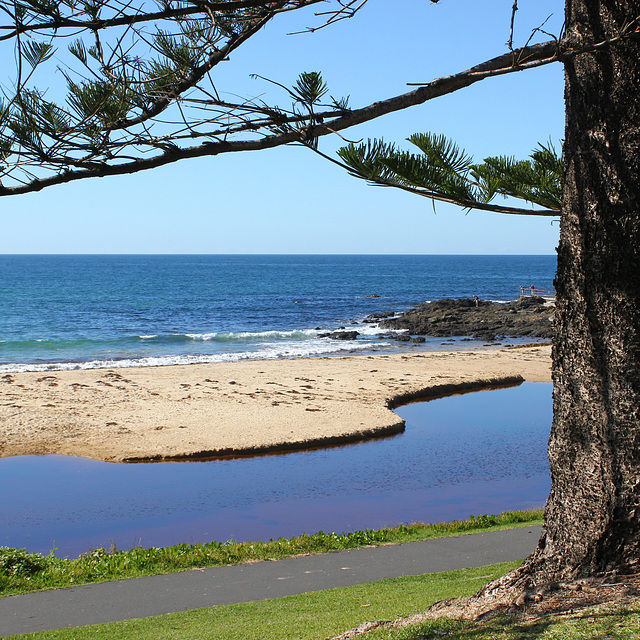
x,y
310,616
321,615
22,572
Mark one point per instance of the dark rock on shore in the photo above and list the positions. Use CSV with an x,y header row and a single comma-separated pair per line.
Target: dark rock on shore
x,y
525,317
403,337
374,317
340,335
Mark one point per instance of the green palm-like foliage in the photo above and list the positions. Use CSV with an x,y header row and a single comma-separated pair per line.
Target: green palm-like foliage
x,y
537,180
141,88
442,152
309,88
367,161
444,171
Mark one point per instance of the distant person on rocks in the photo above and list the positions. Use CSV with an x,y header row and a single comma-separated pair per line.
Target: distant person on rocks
x,y
521,290
532,289
476,300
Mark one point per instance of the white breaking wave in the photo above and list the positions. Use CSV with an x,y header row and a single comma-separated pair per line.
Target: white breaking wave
x,y
372,329
275,351
254,335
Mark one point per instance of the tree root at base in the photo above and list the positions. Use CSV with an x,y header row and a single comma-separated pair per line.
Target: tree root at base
x,y
558,599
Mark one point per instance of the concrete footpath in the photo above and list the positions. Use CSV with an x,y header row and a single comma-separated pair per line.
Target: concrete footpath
x,y
156,595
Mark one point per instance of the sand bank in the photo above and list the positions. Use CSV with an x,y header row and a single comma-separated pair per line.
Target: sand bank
x,y
160,413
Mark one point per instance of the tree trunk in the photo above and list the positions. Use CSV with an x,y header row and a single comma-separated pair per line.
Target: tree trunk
x,y
592,518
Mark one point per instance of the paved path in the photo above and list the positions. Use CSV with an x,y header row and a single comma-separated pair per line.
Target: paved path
x,y
143,597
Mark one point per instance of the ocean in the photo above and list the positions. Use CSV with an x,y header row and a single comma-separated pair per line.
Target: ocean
x,y
91,311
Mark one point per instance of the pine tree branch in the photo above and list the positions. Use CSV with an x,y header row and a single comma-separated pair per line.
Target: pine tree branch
x,y
520,59
433,194
103,162
58,23
196,75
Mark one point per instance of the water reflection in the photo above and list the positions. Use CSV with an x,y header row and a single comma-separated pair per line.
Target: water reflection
x,y
482,452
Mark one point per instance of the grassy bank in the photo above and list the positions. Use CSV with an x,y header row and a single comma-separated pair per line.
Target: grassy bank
x,y
22,572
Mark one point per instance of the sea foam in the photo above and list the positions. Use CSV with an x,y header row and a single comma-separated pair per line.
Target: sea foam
x,y
274,351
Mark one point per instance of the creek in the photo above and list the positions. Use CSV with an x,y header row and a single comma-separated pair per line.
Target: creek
x,y
476,453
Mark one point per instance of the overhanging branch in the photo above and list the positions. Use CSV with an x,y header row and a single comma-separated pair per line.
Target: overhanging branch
x,y
56,24
518,60
432,194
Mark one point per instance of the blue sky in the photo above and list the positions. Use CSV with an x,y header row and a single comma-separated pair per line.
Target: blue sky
x,y
289,200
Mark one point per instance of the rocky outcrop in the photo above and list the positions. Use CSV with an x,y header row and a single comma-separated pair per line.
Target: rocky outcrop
x,y
525,317
340,335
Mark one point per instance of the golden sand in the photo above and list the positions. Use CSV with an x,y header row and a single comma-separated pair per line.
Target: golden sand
x,y
160,413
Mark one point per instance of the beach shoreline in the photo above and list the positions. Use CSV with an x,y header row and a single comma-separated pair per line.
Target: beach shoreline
x,y
182,412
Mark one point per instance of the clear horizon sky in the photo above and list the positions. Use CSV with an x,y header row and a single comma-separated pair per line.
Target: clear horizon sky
x,y
289,200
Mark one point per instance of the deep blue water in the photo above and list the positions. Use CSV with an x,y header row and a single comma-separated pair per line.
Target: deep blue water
x,y
481,452
90,311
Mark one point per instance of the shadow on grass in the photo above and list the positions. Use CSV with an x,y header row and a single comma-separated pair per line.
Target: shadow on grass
x,y
598,624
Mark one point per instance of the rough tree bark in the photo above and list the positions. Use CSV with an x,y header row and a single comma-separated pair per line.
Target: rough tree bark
x,y
592,518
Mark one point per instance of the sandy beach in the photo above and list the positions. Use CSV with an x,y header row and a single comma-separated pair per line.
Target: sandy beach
x,y
213,410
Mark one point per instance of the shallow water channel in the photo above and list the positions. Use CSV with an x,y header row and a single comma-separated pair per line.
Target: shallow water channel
x,y
481,452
